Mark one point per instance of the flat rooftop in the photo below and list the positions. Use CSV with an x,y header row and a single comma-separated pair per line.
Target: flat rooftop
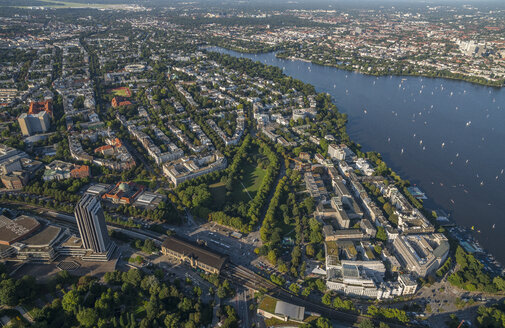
x,y
44,237
17,229
290,310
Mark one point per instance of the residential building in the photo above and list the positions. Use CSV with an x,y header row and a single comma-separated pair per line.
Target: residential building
x,y
59,170
347,234
41,106
15,180
367,227
408,284
315,186
421,254
190,167
336,152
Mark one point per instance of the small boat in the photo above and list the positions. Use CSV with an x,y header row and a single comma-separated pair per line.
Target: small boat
x,y
493,226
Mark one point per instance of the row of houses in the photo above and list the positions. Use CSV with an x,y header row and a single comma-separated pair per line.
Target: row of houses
x,y
237,135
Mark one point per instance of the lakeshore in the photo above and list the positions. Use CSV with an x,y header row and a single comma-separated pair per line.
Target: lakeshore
x,y
454,162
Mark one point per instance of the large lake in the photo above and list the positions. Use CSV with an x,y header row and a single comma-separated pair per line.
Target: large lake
x,y
452,135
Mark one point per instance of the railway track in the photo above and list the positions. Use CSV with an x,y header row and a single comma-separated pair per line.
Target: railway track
x,y
245,277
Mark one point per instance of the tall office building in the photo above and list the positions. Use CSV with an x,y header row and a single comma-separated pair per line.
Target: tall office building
x,y
91,224
34,123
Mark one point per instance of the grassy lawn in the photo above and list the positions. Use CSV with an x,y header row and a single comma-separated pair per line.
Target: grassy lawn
x,y
253,175
257,177
244,190
274,322
142,181
268,304
122,92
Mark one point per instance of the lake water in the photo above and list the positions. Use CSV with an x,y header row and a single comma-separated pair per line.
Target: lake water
x,y
452,134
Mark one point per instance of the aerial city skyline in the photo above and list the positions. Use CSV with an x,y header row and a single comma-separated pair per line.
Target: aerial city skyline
x,y
252,164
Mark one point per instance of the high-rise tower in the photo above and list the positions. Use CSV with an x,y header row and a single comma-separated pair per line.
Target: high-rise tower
x,y
91,224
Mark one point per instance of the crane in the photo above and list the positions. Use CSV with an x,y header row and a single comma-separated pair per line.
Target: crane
x,y
461,323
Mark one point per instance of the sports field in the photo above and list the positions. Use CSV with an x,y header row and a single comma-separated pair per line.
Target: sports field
x,y
121,92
